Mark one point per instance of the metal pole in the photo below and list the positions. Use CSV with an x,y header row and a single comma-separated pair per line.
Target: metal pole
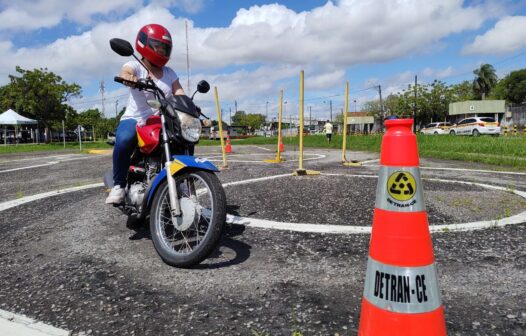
x,y
266,113
301,119
102,89
218,108
64,133
80,136
414,110
344,130
279,123
330,103
187,56
310,116
382,112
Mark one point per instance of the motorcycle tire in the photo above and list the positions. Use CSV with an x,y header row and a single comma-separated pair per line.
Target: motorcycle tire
x,y
198,230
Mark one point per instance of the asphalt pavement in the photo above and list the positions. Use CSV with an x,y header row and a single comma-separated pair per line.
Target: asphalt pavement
x,y
70,262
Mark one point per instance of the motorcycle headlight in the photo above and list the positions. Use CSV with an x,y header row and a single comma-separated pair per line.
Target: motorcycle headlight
x,y
190,127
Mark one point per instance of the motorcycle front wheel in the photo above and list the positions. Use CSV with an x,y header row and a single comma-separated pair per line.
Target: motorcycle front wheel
x,y
196,233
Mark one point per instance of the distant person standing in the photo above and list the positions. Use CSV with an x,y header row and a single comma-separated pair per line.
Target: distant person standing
x,y
327,128
212,132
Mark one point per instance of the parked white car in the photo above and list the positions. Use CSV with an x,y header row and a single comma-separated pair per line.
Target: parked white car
x,y
476,126
436,128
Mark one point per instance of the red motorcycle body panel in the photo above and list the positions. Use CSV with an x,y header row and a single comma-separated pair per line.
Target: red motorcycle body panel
x,y
148,134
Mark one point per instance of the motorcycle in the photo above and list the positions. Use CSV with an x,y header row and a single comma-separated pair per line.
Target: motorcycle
x,y
180,193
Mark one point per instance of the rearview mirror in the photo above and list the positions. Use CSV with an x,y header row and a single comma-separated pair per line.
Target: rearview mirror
x,y
121,47
203,86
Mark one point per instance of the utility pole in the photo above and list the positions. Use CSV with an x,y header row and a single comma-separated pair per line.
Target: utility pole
x,y
310,116
230,114
235,103
414,109
187,57
266,113
382,112
64,133
102,94
330,104
116,113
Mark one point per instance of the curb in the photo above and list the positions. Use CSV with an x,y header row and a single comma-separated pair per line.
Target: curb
x,y
100,151
14,324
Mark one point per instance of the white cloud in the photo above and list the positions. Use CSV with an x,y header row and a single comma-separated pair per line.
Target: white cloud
x,y
28,15
273,42
438,73
341,35
189,6
508,35
87,55
347,33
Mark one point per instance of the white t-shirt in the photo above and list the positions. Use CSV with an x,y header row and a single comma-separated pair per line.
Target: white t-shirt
x,y
328,128
137,107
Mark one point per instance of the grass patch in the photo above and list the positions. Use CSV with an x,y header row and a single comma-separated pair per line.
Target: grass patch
x,y
58,146
501,151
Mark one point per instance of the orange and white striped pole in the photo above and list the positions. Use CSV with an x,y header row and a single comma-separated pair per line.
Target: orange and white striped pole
x,y
401,294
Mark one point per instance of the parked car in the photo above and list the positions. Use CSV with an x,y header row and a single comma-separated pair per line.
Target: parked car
x,y
436,128
111,139
476,126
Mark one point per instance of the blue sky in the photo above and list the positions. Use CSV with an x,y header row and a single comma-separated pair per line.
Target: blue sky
x,y
252,49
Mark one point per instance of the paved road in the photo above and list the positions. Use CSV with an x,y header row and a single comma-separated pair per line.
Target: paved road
x,y
72,262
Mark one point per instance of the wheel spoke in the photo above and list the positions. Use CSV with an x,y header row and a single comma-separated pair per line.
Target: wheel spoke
x,y
196,226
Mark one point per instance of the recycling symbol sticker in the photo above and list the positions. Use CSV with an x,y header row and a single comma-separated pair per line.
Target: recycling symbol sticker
x,y
401,186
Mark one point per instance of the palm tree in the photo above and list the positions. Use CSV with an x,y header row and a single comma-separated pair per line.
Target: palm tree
x,y
485,81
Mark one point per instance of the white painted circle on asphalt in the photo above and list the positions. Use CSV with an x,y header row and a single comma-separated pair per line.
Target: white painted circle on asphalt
x,y
308,227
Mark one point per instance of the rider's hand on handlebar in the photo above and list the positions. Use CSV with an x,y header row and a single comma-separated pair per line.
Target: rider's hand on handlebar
x,y
129,78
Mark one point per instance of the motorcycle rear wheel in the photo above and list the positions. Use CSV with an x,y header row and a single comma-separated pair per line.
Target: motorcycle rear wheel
x,y
196,234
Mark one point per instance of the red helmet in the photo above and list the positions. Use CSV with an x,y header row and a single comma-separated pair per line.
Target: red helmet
x,y
154,43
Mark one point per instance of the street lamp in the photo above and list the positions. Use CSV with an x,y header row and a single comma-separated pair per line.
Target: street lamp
x,y
355,106
330,108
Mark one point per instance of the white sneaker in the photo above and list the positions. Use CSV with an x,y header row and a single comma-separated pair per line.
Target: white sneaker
x,y
116,195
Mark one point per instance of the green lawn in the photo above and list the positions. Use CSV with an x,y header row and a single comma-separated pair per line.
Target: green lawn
x,y
58,146
502,151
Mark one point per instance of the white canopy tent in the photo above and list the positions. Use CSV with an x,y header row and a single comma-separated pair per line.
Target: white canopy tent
x,y
10,117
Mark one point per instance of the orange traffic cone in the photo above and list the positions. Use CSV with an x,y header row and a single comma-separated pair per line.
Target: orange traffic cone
x,y
281,147
228,147
401,295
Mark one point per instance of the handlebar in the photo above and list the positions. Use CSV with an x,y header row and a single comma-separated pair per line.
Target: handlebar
x,y
141,84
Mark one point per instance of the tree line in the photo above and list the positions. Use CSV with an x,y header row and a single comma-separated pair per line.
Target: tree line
x,y
430,101
42,95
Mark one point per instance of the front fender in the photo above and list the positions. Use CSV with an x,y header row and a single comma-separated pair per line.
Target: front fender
x,y
178,163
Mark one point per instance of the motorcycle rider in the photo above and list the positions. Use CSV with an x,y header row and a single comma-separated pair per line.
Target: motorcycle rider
x,y
154,43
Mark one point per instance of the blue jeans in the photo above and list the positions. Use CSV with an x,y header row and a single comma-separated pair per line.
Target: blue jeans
x,y
125,143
